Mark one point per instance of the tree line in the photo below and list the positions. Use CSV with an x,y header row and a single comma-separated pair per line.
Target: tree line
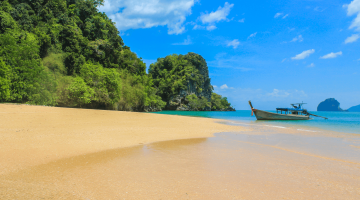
x,y
67,53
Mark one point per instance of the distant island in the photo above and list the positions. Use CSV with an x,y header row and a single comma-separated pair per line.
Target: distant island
x,y
354,109
68,54
330,104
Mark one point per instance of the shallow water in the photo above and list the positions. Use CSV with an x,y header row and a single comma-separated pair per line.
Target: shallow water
x,y
348,122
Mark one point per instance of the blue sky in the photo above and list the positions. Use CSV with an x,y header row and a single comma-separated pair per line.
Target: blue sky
x,y
271,52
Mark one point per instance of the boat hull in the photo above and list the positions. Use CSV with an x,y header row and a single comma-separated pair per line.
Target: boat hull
x,y
263,115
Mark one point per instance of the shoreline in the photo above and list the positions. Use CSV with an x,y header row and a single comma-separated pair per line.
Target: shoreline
x,y
41,134
94,154
300,124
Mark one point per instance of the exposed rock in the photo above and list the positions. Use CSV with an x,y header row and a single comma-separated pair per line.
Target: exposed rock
x,y
179,101
151,109
330,104
226,109
178,76
183,107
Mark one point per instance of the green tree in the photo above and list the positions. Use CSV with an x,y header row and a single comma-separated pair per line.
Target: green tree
x,y
21,52
80,94
176,73
197,103
218,102
67,53
4,81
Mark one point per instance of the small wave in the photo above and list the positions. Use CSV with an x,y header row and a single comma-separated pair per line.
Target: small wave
x,y
275,126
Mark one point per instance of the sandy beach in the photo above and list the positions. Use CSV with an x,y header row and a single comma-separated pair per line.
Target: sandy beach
x,y
65,153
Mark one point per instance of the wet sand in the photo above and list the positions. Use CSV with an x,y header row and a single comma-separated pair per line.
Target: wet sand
x,y
62,153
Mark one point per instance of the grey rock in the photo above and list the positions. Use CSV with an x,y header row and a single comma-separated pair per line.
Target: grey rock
x,y
330,104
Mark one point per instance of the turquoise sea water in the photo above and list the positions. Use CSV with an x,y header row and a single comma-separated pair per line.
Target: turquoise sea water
x,y
348,122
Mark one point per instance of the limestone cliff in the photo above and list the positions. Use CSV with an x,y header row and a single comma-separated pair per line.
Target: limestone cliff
x,y
200,87
178,77
330,104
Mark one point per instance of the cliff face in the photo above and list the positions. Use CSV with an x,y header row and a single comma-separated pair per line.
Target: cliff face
x,y
354,109
183,82
200,87
330,104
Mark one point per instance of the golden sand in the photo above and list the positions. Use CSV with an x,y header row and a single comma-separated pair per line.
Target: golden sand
x,y
34,135
63,153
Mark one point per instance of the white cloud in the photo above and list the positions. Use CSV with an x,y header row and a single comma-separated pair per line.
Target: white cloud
x,y
187,41
214,86
352,9
234,43
199,27
278,15
311,65
304,54
352,38
211,27
331,55
278,93
219,15
284,60
242,20
262,99
252,35
137,14
224,87
298,38
287,93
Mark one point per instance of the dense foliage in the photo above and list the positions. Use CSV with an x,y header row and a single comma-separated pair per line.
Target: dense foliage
x,y
66,53
218,102
176,73
197,103
183,82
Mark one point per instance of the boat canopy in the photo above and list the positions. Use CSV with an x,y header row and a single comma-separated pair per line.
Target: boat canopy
x,y
296,107
290,109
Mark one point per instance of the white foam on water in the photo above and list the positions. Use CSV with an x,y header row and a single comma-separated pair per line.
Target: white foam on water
x,y
275,126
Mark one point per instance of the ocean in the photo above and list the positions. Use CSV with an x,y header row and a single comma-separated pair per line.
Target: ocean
x,y
346,122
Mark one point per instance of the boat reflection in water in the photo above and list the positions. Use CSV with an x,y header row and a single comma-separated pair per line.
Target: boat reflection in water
x,y
294,113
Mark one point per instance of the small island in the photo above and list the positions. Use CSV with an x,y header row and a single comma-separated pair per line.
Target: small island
x,y
354,109
330,104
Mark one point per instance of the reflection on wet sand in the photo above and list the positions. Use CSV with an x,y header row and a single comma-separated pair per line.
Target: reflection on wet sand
x,y
250,165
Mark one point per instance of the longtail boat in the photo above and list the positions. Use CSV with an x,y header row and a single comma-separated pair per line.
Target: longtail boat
x,y
294,113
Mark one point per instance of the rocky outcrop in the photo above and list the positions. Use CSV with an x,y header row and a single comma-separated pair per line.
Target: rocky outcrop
x,y
151,109
354,109
226,109
330,104
180,76
179,102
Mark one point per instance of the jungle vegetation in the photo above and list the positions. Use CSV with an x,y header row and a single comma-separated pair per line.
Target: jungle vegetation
x,y
67,53
179,74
